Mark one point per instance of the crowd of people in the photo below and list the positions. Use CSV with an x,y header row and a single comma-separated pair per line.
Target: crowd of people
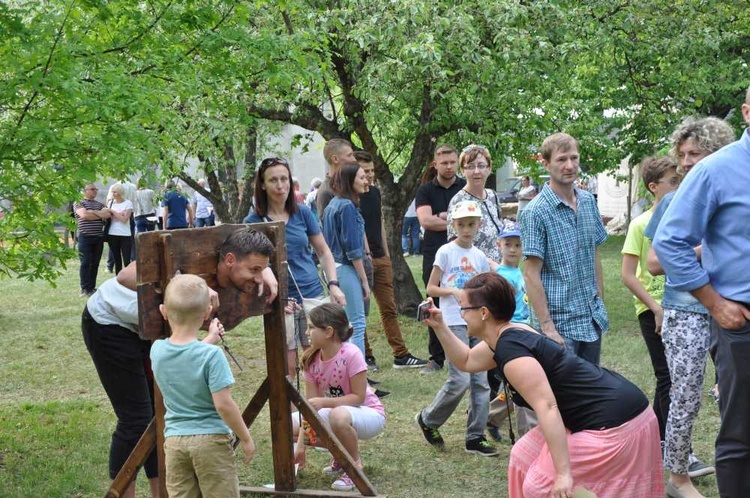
x,y
515,314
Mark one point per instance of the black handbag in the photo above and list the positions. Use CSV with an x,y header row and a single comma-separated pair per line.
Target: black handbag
x,y
107,222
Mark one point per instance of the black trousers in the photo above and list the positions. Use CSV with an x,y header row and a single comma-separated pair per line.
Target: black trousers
x,y
90,249
437,354
122,361
120,247
733,441
661,369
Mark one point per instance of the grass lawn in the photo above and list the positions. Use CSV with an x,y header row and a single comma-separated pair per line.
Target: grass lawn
x,y
56,421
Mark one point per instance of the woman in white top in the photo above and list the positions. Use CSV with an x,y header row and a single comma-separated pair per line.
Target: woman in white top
x,y
527,192
119,238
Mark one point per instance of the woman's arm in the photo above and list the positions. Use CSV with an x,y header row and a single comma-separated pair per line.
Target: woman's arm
x,y
477,359
527,376
359,266
123,216
328,265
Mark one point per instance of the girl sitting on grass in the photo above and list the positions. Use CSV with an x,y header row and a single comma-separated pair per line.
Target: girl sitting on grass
x,y
336,386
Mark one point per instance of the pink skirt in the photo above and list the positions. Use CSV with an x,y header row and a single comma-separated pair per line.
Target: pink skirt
x,y
622,462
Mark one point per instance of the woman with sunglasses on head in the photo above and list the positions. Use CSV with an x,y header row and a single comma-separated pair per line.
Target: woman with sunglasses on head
x,y
274,201
476,165
344,231
596,429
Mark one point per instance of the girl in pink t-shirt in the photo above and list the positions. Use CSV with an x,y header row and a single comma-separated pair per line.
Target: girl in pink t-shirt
x,y
336,386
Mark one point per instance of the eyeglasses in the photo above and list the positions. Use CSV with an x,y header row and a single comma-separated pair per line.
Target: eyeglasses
x,y
672,181
464,309
478,167
92,188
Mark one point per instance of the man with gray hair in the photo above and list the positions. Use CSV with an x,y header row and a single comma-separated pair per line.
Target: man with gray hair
x,y
712,208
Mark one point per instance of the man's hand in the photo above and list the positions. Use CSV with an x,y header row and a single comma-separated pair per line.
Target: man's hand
x,y
549,329
269,281
213,299
729,314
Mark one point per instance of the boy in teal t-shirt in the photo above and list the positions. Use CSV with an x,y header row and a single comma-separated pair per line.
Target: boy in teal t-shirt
x,y
509,243
194,378
510,247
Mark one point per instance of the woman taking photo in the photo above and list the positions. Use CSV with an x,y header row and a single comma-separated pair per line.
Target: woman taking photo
x,y
596,429
344,231
274,201
476,165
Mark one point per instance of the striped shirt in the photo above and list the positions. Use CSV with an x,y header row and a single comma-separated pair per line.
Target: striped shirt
x,y
566,242
89,227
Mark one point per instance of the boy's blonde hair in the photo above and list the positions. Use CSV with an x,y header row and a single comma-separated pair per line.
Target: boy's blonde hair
x,y
186,299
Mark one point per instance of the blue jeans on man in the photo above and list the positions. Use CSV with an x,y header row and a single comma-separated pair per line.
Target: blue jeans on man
x,y
450,395
410,234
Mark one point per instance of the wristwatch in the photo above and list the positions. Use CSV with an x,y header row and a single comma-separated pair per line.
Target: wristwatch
x,y
333,282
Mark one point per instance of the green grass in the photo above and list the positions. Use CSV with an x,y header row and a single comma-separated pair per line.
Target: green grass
x,y
56,421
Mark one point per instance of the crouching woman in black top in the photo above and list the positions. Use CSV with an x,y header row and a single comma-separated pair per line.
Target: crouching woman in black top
x,y
596,429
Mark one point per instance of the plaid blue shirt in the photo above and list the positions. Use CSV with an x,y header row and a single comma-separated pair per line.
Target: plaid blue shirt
x,y
566,242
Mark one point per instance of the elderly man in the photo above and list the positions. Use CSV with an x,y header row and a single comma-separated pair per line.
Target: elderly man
x,y
90,216
712,207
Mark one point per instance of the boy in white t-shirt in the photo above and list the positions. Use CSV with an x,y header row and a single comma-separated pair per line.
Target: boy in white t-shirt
x,y
455,263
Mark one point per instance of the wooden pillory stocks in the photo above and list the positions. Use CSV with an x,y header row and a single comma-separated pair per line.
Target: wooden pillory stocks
x,y
196,251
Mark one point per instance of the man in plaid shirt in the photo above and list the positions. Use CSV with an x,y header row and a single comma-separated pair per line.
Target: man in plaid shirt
x,y
561,229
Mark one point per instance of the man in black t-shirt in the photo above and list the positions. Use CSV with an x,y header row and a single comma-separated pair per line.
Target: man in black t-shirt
x,y
432,210
370,205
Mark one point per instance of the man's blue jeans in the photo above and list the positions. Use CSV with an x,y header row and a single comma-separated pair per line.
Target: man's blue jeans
x,y
450,395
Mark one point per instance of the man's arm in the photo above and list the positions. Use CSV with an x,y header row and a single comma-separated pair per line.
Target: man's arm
x,y
532,274
384,239
433,222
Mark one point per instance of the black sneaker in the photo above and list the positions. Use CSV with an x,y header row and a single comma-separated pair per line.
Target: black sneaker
x,y
480,446
408,361
431,435
372,366
381,394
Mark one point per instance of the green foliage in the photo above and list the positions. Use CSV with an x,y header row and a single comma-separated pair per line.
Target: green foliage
x,y
105,88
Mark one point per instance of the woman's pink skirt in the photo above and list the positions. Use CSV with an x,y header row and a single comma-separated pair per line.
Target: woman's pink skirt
x,y
622,462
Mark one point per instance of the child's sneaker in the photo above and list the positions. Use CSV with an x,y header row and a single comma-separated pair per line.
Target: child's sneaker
x,y
431,435
480,446
343,483
334,469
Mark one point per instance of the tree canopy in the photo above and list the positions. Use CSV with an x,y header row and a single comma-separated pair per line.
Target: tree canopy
x,y
94,89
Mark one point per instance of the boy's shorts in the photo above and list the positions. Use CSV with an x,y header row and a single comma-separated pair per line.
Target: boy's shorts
x,y
201,466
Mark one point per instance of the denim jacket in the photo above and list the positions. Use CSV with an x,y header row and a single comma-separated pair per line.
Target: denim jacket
x,y
344,230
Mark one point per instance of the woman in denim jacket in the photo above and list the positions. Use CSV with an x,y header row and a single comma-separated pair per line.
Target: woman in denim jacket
x,y
344,232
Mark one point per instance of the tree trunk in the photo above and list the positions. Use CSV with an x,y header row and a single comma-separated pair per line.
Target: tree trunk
x,y
405,289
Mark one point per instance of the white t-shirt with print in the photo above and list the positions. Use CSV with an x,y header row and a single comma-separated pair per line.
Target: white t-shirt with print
x,y
459,265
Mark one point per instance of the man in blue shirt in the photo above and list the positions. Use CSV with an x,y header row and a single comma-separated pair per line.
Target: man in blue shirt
x,y
561,229
712,206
